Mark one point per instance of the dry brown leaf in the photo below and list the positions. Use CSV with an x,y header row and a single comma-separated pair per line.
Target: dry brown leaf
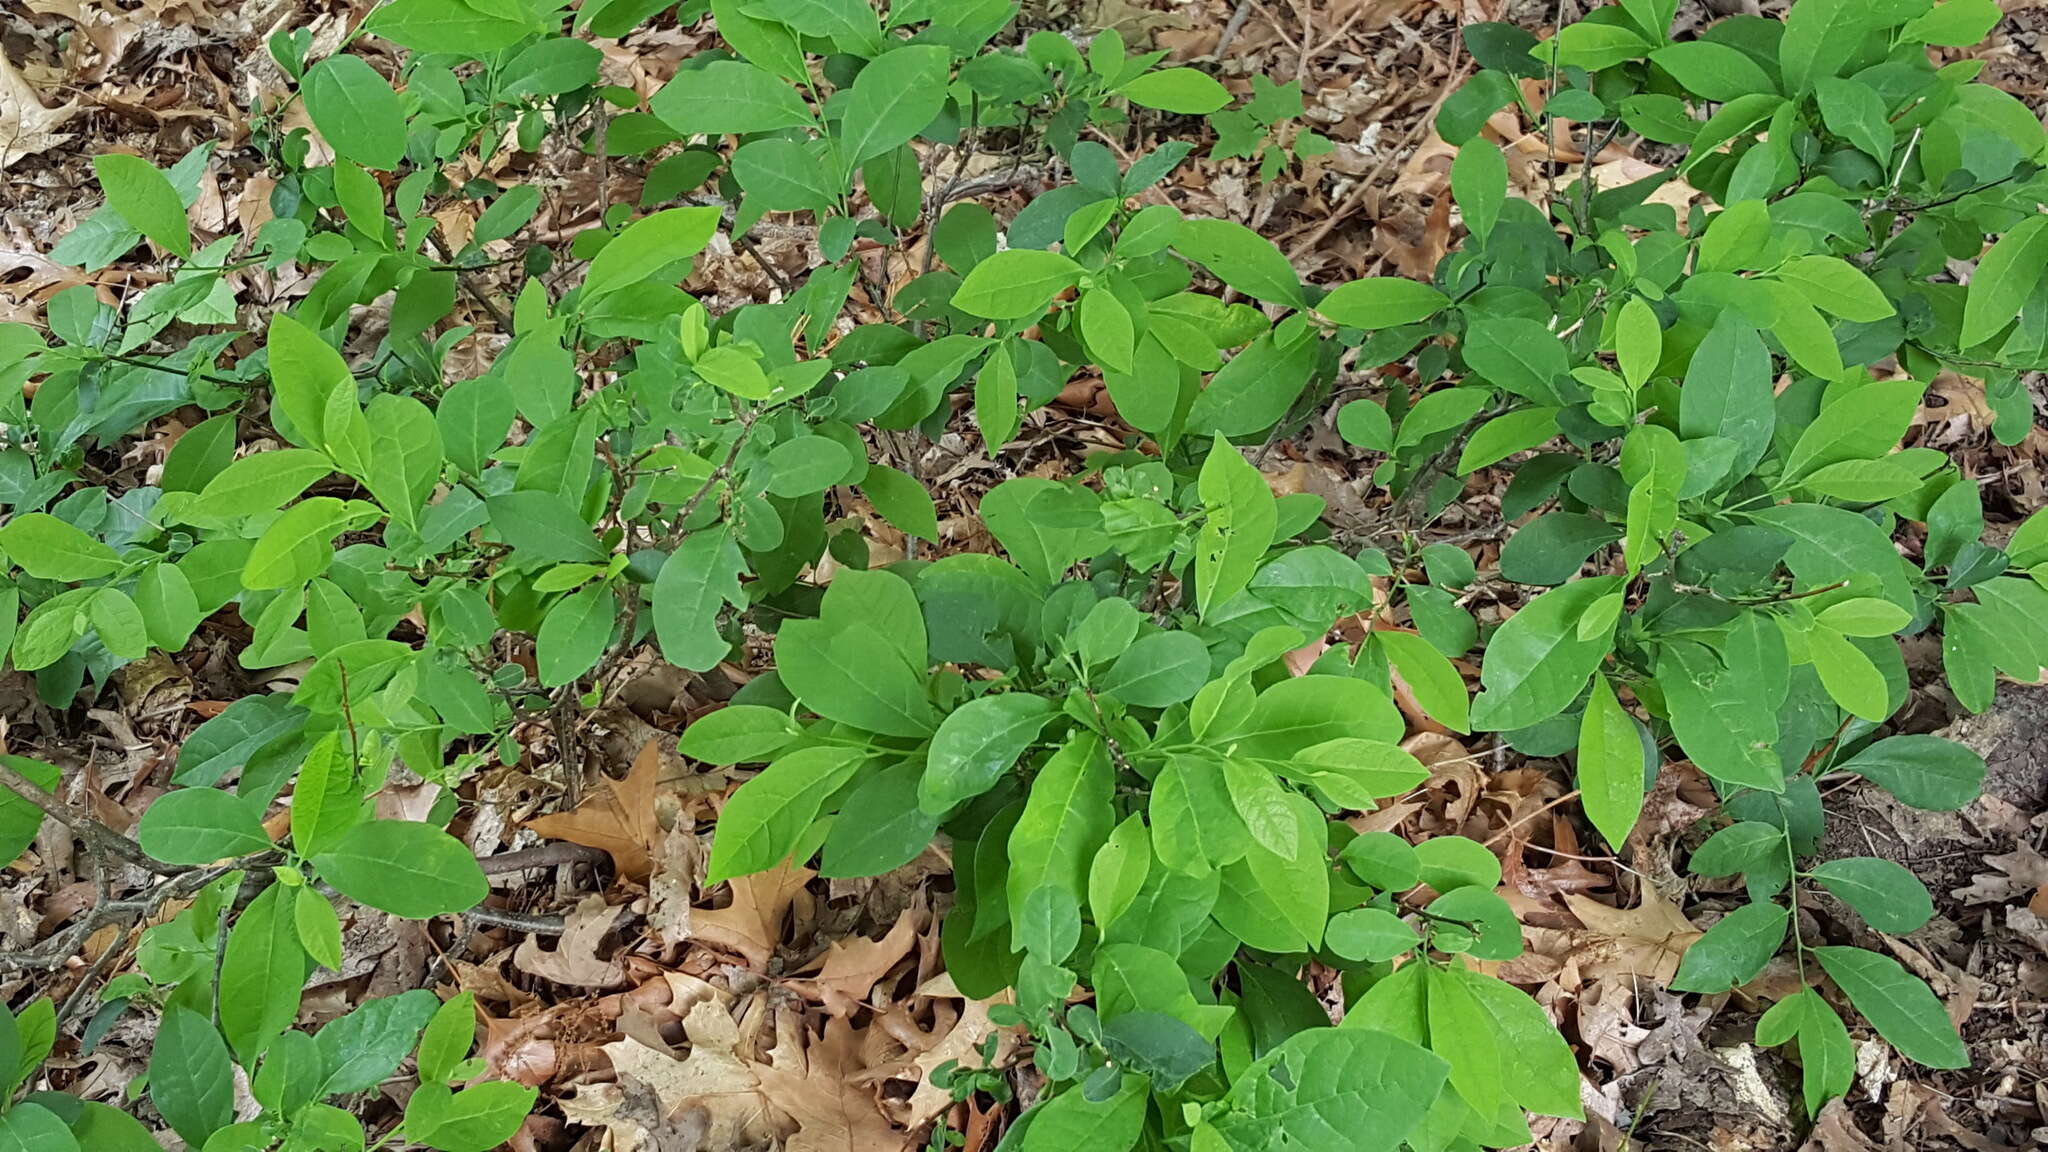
x,y
714,1077
850,967
752,924
573,959
1646,941
26,126
617,817
819,1087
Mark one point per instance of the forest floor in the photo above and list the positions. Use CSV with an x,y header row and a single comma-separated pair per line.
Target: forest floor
x,y
656,1014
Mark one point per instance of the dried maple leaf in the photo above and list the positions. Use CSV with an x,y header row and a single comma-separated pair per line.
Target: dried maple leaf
x,y
617,817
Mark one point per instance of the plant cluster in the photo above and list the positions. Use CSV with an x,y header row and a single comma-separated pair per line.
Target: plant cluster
x,y
1142,800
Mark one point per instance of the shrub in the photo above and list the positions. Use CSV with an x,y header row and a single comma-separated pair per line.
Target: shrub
x,y
1705,405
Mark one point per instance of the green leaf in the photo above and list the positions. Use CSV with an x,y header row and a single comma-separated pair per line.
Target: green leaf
x,y
119,624
145,199
1066,819
894,98
1015,284
1070,1120
1724,709
1518,354
879,826
260,482
1728,391
1540,1074
362,1048
1834,544
30,1127
1591,46
694,584
2004,280
1898,1004
441,26
325,800
729,97
448,1038
1107,329
1953,24
1118,872
1471,104
1240,258
1354,772
1383,860
51,549
1856,112
1734,950
405,456
739,734
1296,714
1276,902
261,972
1479,184
1860,425
995,399
199,826
549,67
1432,679
1849,676
191,1078
1925,772
1183,91
1820,36
356,112
976,744
404,867
1195,827
1158,670
1638,341
318,928
1536,663
573,635
1503,436
1888,896
1742,847
1448,863
647,246
1238,528
468,1120
1369,934
1345,1089
1382,302
768,815
297,546
1864,616
863,661
1610,765
1713,70
543,526
902,501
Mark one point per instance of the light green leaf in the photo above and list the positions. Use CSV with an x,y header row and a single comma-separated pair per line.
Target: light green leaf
x,y
1240,258
976,744
261,972
647,246
1734,950
2004,279
1898,1004
145,199
1536,663
51,549
1238,528
1610,765
1184,91
895,97
1015,284
199,826
356,111
405,868
1888,896
729,97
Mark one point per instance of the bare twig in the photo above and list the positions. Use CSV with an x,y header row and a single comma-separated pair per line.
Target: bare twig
x,y
92,831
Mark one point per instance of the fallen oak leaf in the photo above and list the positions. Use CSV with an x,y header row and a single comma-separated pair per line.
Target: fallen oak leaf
x,y
818,1087
850,968
617,817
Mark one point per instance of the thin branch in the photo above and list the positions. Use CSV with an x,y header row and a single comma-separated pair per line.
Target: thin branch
x,y
92,831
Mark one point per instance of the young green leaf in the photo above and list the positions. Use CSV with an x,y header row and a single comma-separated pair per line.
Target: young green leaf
x,y
146,200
